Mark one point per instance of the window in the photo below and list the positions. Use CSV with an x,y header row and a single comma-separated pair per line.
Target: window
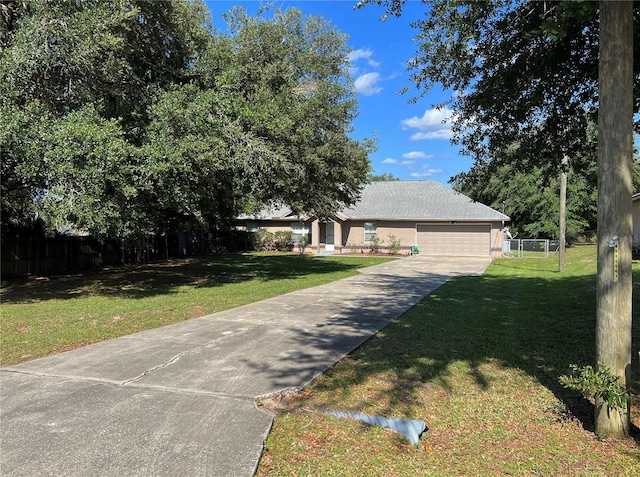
x,y
300,229
252,226
370,231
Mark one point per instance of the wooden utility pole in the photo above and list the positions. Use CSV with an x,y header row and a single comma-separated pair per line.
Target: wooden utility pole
x,y
615,229
562,239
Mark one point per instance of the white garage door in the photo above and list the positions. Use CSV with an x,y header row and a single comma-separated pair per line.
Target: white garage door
x,y
454,239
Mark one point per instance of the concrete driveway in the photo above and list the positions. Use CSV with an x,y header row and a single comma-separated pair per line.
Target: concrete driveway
x,y
180,400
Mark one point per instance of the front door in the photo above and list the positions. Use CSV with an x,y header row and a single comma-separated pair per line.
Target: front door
x,y
329,240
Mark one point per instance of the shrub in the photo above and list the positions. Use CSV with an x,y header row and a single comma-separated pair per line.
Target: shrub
x,y
597,384
394,244
376,244
303,241
283,241
263,240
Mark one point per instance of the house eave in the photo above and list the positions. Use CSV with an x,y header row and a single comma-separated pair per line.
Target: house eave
x,y
433,219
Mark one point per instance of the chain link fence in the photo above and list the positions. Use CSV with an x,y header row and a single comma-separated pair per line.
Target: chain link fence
x,y
528,248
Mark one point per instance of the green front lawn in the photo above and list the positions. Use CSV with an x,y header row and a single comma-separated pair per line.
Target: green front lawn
x,y
49,315
478,360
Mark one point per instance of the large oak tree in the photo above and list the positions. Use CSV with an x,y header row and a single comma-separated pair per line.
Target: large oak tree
x,y
130,117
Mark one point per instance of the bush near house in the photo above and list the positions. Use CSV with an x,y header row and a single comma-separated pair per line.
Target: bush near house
x,y
284,241
394,244
263,240
266,241
376,244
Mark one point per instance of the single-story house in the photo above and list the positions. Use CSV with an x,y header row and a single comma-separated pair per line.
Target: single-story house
x,y
423,214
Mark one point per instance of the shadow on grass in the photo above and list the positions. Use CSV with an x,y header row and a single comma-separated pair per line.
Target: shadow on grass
x,y
166,277
536,325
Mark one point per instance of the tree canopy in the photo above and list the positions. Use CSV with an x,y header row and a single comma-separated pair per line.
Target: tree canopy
x,y
122,118
385,176
524,82
531,198
522,73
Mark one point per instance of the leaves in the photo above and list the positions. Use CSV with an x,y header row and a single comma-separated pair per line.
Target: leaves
x,y
521,72
132,117
529,195
90,176
599,384
524,78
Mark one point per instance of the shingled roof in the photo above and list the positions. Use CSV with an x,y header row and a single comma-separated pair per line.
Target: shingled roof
x,y
417,200
405,200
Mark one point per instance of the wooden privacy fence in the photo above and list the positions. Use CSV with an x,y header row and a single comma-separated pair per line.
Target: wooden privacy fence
x,y
24,255
30,255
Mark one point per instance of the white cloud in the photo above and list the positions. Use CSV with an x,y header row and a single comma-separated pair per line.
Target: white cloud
x,y
395,162
363,54
437,134
432,124
427,172
416,155
367,84
367,81
431,118
360,53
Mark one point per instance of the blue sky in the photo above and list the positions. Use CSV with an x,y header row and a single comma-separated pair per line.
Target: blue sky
x,y
413,141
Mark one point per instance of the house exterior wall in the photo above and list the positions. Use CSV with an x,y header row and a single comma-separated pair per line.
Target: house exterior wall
x,y
274,227
315,236
406,232
353,234
337,230
635,244
497,238
350,234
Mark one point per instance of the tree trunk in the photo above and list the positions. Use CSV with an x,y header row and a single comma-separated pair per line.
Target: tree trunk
x,y
562,239
615,229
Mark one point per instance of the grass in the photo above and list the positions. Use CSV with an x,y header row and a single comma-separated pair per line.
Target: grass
x,y
41,316
478,360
